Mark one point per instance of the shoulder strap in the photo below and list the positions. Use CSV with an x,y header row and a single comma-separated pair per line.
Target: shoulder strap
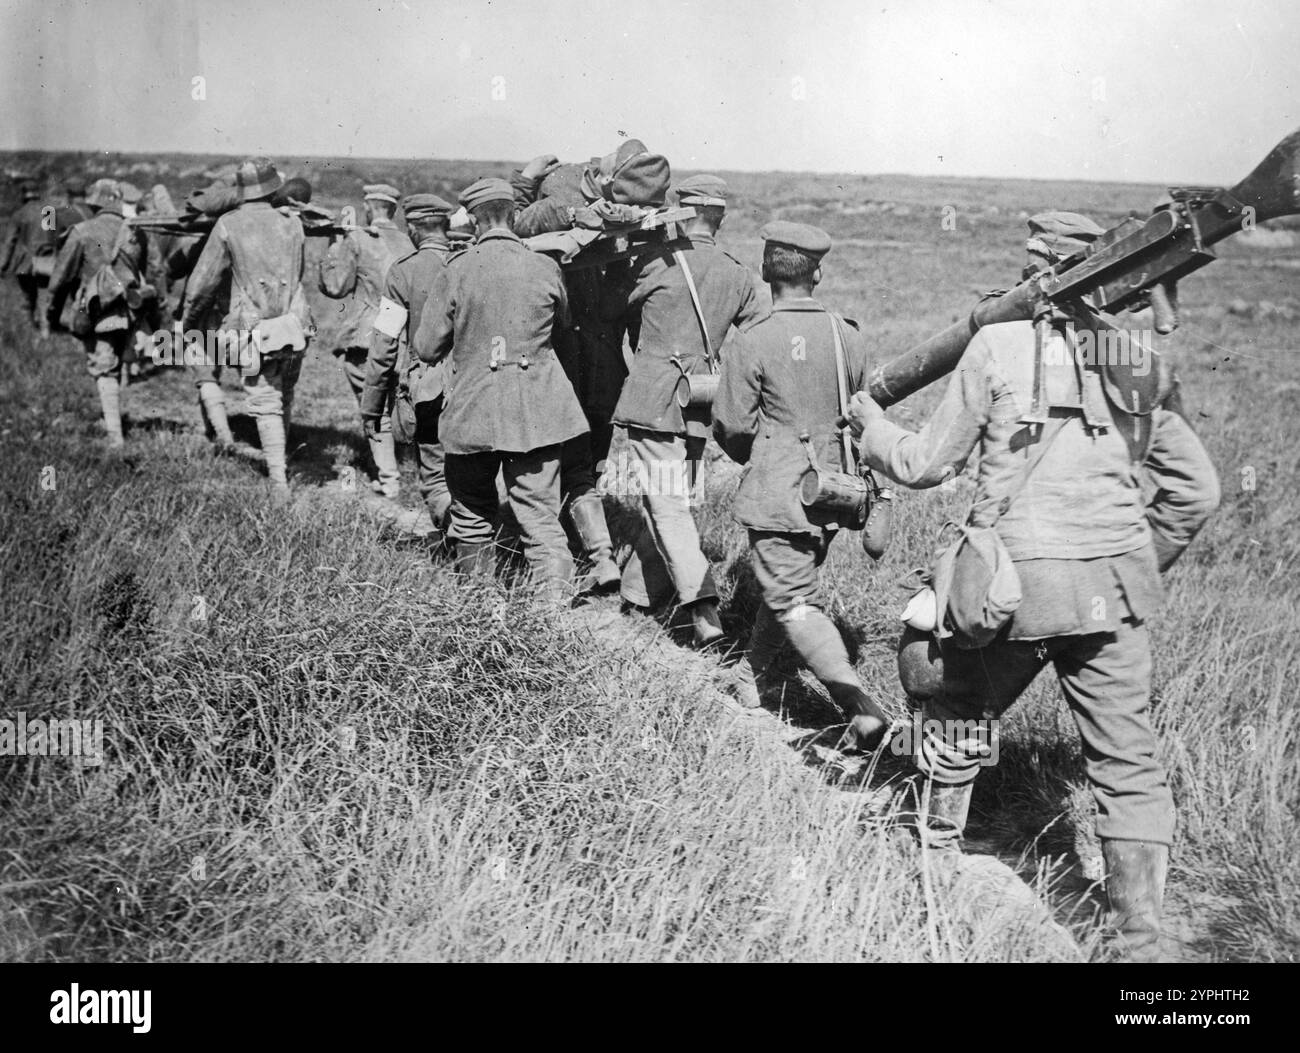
x,y
680,257
1035,458
842,389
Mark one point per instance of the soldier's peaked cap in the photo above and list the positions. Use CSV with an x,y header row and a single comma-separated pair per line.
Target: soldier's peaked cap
x,y
1061,233
380,192
702,190
426,206
257,178
481,191
810,240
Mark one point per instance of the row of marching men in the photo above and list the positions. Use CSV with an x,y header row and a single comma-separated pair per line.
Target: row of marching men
x,y
496,362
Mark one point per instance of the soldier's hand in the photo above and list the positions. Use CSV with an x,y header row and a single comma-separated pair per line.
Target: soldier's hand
x,y
863,409
540,166
1164,307
371,425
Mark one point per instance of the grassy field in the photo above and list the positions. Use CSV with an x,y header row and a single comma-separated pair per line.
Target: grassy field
x,y
320,745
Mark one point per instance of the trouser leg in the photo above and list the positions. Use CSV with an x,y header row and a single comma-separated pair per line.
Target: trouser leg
x,y
383,450
533,486
431,463
787,569
954,734
765,641
267,394
472,483
1106,678
104,363
584,511
667,550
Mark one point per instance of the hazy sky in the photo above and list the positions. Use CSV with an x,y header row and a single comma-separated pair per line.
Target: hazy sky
x,y
1149,90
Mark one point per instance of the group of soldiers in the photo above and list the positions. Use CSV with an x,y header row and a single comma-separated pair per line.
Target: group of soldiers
x,y
496,362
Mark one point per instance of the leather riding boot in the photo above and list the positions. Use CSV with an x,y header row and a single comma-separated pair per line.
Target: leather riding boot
x,y
474,557
750,680
705,621
587,514
819,644
1135,885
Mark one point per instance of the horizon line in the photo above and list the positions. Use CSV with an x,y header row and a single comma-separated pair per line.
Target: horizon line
x,y
358,158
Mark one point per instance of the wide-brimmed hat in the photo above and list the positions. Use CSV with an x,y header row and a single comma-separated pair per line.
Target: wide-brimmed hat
x,y
257,178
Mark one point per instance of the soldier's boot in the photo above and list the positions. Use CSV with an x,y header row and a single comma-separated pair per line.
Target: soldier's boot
x,y
946,809
475,557
1135,885
587,514
212,404
705,621
383,450
750,680
270,430
818,642
110,402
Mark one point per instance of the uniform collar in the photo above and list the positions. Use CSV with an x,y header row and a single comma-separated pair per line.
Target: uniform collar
x,y
802,303
703,239
433,241
498,232
383,221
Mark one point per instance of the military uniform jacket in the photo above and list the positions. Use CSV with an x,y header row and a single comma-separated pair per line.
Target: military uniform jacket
x,y
662,324
494,310
69,216
27,239
357,265
88,249
409,282
778,382
1080,528
257,252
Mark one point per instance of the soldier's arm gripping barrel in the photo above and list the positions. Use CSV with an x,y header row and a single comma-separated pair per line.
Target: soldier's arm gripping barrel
x,y
1132,264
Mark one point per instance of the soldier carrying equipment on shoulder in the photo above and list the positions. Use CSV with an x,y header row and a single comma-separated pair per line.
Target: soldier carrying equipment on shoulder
x,y
356,265
680,309
492,314
256,251
394,371
549,197
780,394
1060,483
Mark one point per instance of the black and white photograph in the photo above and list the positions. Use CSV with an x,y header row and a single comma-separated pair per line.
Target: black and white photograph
x,y
700,482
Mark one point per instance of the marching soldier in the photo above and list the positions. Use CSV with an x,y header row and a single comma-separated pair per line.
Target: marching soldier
x,y
1066,499
29,251
75,211
551,196
356,265
680,309
392,365
257,252
492,313
779,397
99,315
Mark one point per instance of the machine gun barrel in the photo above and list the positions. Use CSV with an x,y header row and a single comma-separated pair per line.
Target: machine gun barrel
x,y
1123,269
